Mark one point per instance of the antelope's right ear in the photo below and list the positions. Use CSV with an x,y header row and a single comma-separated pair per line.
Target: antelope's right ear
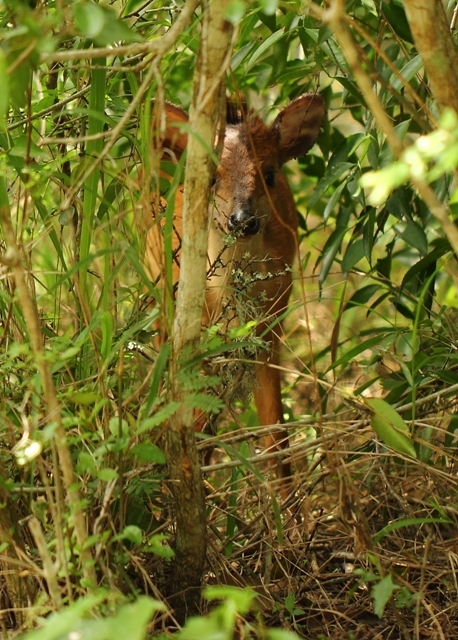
x,y
299,125
175,138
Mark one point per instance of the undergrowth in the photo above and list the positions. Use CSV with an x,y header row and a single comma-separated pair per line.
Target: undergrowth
x,y
365,544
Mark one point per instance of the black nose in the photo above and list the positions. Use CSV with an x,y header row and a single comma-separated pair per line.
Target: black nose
x,y
243,223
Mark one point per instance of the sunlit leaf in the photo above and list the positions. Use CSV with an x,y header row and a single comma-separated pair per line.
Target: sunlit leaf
x,y
390,427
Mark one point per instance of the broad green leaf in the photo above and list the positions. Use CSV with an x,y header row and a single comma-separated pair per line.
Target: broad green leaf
x,y
60,625
90,19
390,427
148,452
353,254
132,533
132,620
413,234
155,544
242,598
106,474
381,593
23,146
334,199
396,18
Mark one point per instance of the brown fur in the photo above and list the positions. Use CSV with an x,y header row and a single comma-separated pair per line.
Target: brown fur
x,y
248,180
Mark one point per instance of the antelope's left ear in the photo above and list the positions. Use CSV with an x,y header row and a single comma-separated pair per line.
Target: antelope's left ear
x,y
298,125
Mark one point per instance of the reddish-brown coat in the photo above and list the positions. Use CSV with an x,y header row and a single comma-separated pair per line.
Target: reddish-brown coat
x,y
250,190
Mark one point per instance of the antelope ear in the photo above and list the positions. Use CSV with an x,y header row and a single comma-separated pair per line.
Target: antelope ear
x,y
175,138
298,125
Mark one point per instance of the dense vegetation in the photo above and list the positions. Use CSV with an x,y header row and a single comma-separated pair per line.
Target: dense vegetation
x,y
365,543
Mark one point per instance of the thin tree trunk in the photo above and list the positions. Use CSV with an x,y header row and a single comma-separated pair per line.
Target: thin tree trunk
x,y
433,39
183,461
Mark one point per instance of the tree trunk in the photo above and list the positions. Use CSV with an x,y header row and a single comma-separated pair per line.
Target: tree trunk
x,y
431,33
183,461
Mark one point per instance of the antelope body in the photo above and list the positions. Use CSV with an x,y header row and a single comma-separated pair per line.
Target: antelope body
x,y
252,203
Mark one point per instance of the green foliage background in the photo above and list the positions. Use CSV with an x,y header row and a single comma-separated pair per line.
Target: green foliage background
x,y
75,175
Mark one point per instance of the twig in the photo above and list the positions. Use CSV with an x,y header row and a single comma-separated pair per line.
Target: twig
x,y
48,568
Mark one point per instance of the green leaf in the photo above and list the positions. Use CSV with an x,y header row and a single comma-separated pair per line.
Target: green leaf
x,y
90,19
158,377
148,452
60,625
428,261
268,42
410,70
155,544
235,11
242,598
100,24
132,620
413,234
133,534
362,296
347,148
106,474
161,416
83,397
408,522
281,634
330,251
205,402
269,6
381,593
354,253
331,176
352,353
390,427
396,18
23,146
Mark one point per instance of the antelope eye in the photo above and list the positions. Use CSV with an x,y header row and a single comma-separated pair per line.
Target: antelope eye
x,y
269,177
213,181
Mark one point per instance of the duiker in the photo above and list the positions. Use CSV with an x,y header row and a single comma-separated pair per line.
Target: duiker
x,y
253,227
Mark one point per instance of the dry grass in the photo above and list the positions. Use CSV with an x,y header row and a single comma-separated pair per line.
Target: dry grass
x,y
351,489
